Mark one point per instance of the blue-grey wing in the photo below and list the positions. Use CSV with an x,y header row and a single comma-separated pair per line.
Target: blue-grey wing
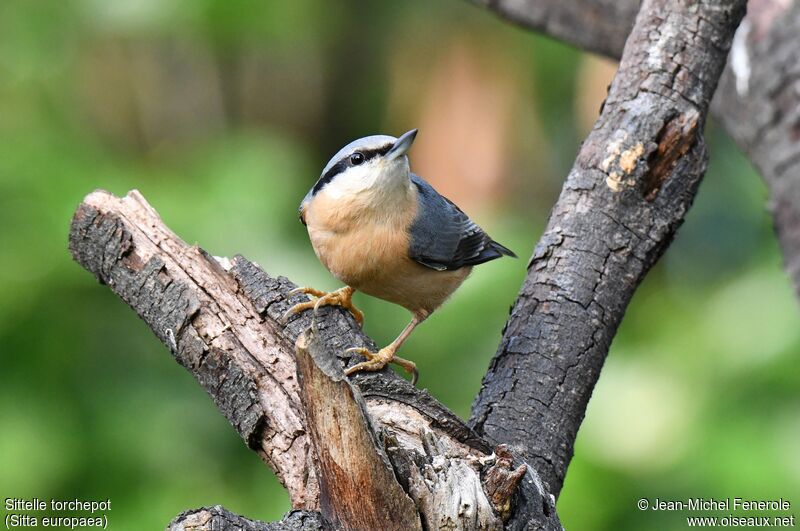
x,y
443,237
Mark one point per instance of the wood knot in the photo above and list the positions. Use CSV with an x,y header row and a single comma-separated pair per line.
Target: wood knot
x,y
500,481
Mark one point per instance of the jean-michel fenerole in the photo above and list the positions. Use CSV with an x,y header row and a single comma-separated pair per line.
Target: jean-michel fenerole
x,y
720,504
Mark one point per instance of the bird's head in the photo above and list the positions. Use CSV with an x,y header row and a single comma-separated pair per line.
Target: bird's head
x,y
376,164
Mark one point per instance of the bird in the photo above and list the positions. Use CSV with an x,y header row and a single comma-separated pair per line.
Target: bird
x,y
383,230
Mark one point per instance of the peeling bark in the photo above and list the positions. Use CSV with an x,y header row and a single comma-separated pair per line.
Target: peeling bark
x,y
632,183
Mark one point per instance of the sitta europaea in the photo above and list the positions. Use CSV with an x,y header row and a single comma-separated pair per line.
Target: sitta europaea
x,y
384,231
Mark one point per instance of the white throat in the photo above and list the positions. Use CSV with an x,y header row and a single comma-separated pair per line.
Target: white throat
x,y
379,184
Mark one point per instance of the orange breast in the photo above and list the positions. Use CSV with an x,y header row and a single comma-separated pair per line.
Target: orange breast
x,y
369,251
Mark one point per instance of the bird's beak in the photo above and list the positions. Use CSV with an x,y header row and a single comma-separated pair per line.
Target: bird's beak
x,y
402,145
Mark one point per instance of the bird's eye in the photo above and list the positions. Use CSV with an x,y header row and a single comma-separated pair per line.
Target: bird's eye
x,y
356,158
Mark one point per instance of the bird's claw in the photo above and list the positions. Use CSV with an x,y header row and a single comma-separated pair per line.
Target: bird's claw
x,y
378,360
297,308
341,297
311,292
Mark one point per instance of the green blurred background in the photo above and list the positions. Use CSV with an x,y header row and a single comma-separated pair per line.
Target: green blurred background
x,y
223,113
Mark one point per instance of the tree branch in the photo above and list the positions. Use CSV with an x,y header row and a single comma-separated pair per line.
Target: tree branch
x,y
599,26
632,183
757,100
220,319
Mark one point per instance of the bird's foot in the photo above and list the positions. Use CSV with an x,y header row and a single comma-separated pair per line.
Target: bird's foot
x,y
341,297
378,360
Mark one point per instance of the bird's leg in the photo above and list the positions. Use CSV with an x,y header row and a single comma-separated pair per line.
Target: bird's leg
x,y
341,297
378,360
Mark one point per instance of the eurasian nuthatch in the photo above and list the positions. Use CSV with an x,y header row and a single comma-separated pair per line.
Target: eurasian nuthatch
x,y
383,230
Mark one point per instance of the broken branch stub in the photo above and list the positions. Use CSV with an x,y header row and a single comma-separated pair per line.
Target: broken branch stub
x,y
358,489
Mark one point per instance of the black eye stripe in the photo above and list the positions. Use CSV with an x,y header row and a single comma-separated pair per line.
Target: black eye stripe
x,y
334,170
344,163
372,153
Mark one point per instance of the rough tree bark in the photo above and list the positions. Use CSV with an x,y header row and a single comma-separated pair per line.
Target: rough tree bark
x,y
757,101
221,320
632,183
